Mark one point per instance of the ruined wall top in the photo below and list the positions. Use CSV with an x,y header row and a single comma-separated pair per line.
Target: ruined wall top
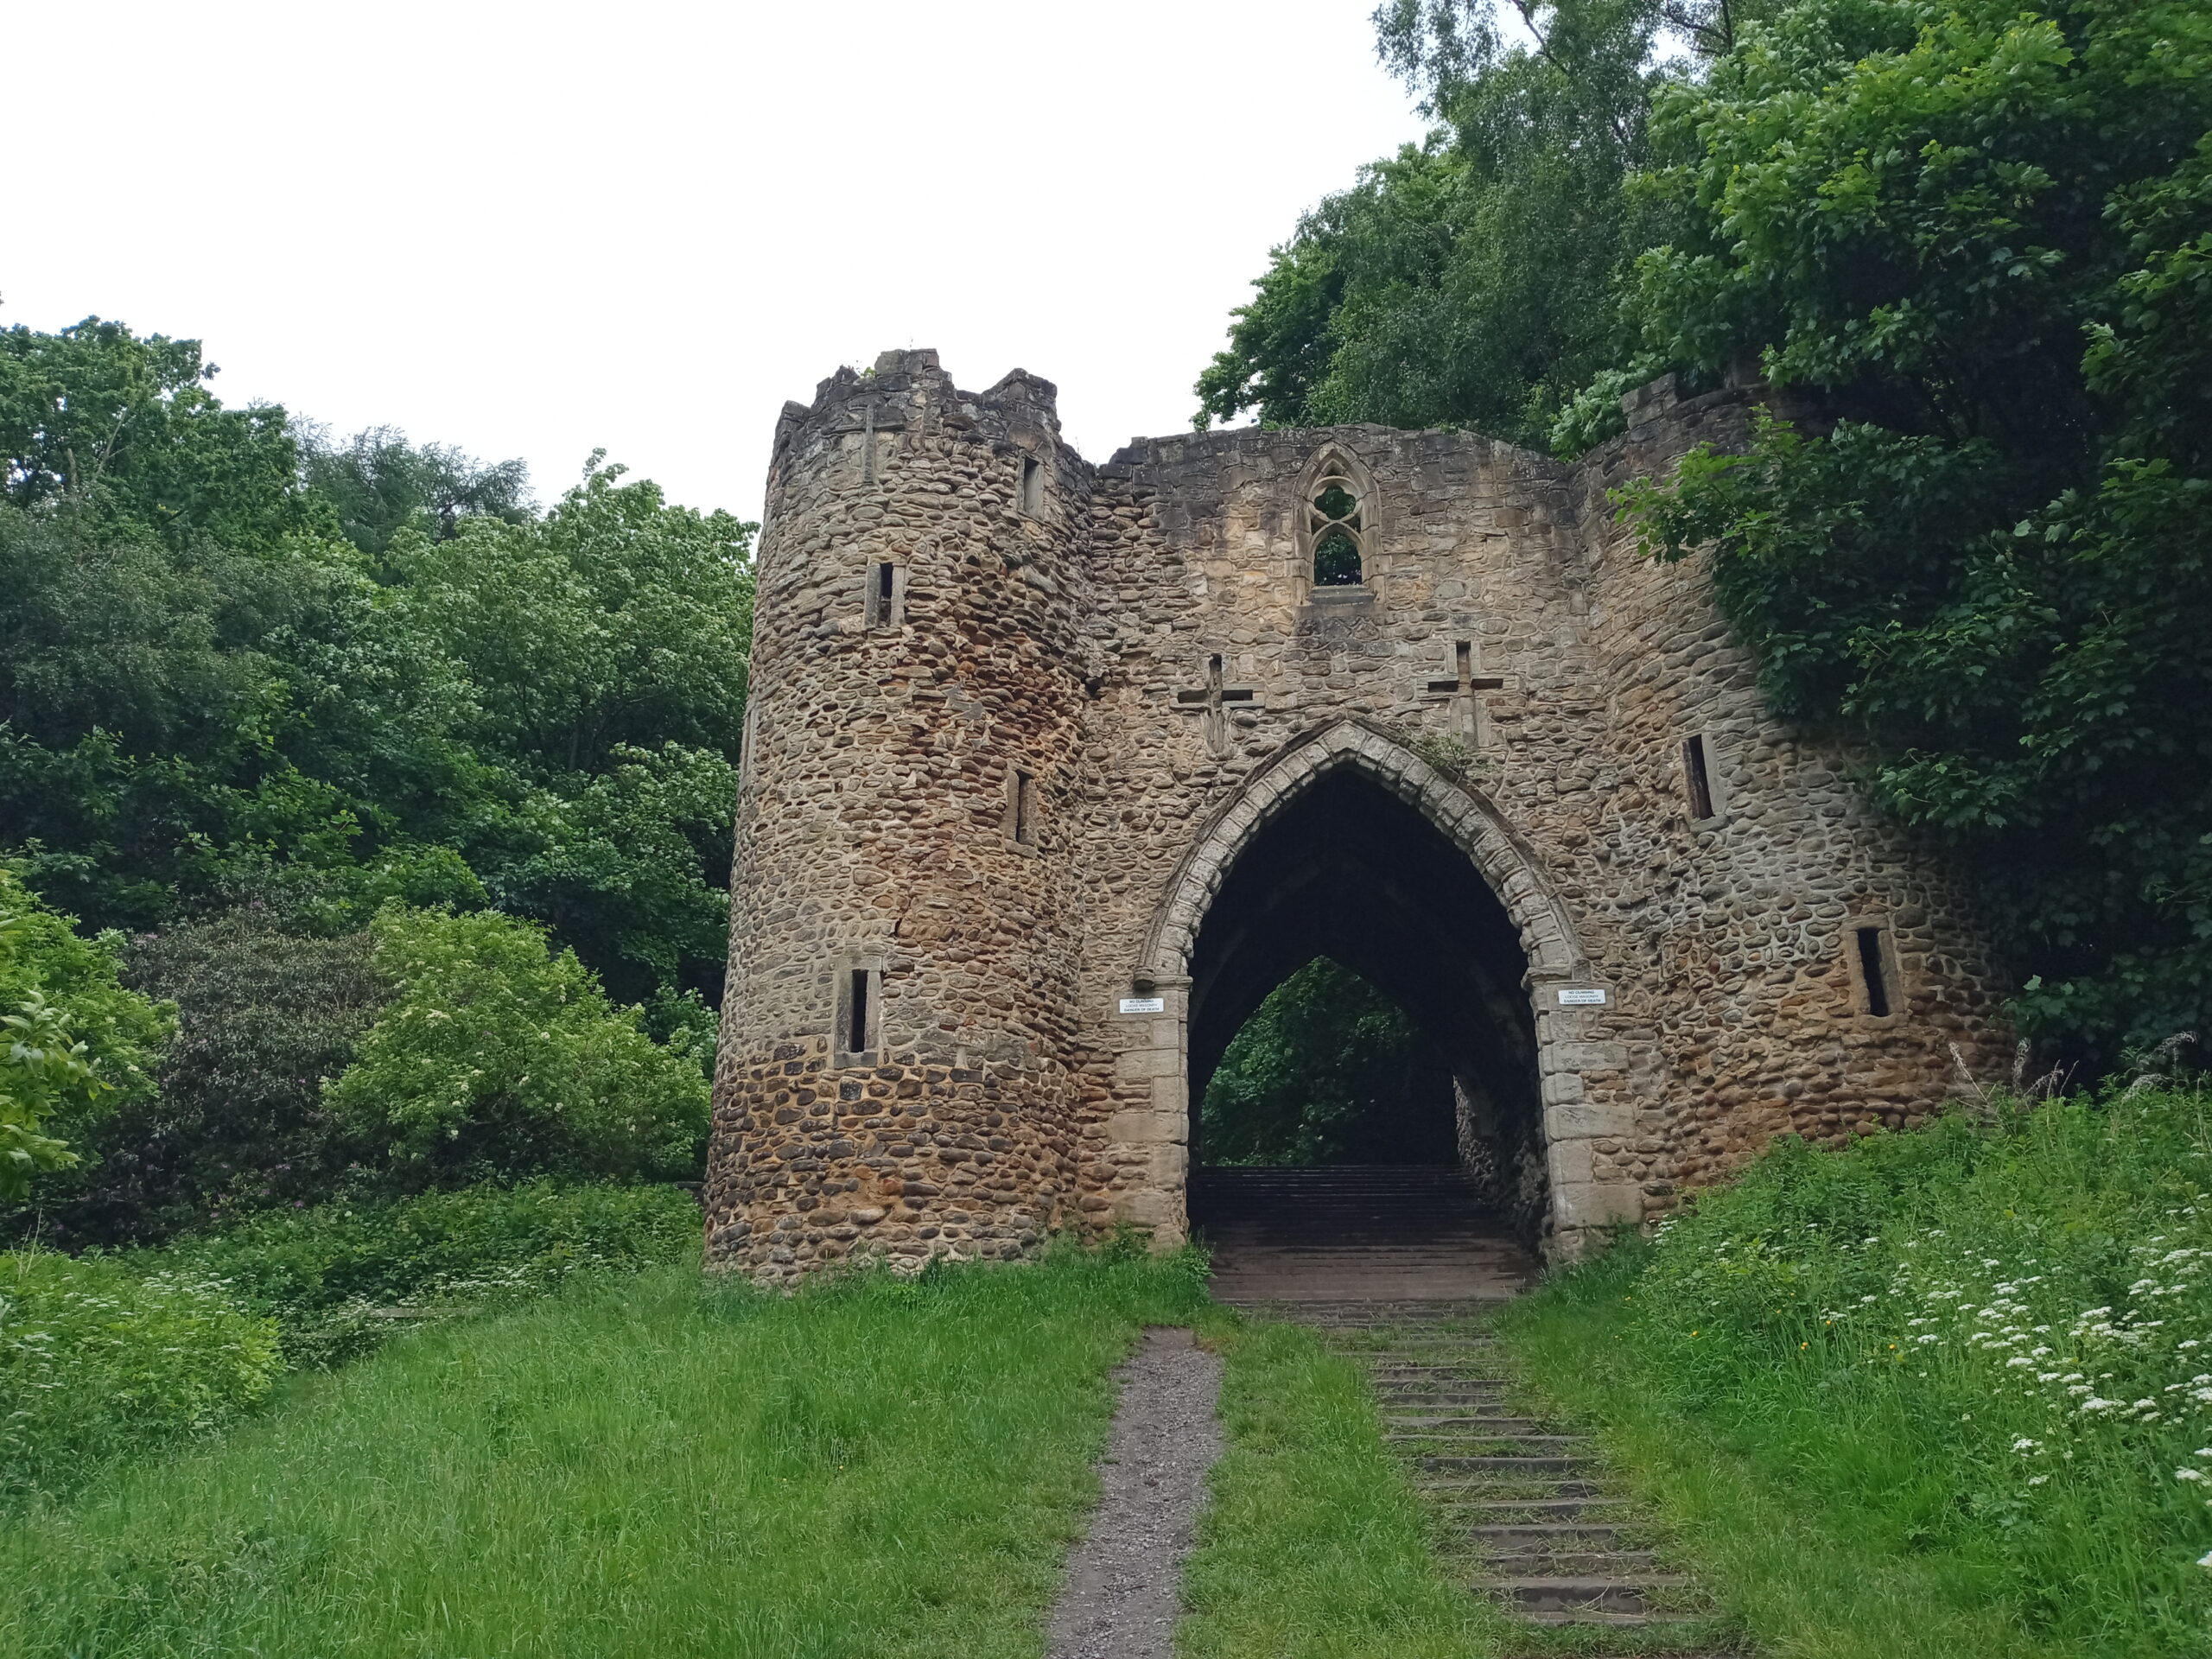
x,y
913,387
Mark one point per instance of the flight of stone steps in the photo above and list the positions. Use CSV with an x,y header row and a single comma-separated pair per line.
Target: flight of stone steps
x,y
1401,1267
1525,1512
1356,1232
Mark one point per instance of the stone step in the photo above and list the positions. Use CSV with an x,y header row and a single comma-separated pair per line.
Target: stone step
x,y
1587,1595
1575,1563
1569,1509
1524,1510
1511,1444
1402,1356
1444,1463
1443,1392
1445,1490
1576,1619
1503,1538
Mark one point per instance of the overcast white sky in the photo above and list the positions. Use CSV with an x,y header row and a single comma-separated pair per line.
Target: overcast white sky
x,y
538,229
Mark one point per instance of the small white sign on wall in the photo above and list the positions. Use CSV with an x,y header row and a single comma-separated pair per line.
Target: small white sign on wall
x,y
1581,996
1144,1005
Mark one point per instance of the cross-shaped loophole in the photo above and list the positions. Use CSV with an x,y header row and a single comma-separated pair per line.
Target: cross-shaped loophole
x,y
1462,688
1207,705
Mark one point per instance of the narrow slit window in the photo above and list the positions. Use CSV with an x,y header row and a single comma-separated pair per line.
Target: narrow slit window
x,y
1024,808
857,1011
1032,486
1697,777
1872,973
882,594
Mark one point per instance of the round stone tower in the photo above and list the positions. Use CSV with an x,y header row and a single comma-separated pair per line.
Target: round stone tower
x,y
897,1073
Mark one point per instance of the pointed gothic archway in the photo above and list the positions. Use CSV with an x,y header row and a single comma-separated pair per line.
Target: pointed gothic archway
x,y
1349,845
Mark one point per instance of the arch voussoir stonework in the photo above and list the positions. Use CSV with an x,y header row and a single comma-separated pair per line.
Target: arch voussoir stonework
x,y
1473,823
1581,1201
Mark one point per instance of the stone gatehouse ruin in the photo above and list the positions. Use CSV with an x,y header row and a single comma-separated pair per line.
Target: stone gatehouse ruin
x,y
1053,771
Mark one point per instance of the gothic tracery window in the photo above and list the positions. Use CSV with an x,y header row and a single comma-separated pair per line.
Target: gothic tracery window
x,y
1334,519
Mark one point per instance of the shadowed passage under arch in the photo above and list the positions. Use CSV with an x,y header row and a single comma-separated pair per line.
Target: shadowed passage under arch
x,y
1348,870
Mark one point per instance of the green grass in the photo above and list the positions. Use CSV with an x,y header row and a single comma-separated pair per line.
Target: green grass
x,y
1806,1382
1941,1393
1809,1576
635,1467
106,1355
1315,1545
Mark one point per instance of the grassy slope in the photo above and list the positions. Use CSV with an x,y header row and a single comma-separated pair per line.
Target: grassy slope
x,y
1939,1393
639,1467
1812,1576
634,1469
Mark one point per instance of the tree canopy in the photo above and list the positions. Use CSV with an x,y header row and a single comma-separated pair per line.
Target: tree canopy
x,y
239,661
1967,245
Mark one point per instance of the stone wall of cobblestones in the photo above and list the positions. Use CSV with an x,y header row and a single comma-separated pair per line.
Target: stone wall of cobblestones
x,y
892,721
1144,641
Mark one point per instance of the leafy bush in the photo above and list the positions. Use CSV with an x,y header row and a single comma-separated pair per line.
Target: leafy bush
x,y
96,1358
497,1060
266,1015
105,1353
73,1041
334,1275
1990,1338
